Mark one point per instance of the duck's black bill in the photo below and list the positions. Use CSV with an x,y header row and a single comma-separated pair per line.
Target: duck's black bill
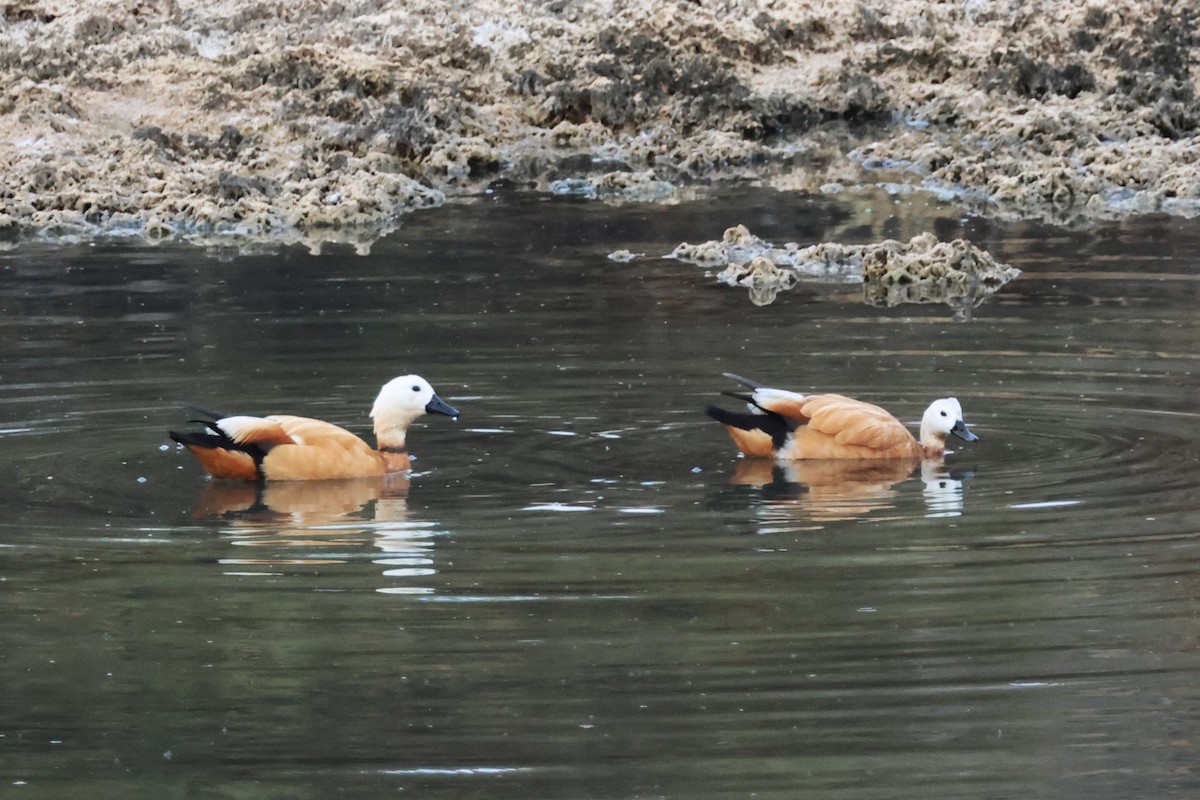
x,y
438,406
961,430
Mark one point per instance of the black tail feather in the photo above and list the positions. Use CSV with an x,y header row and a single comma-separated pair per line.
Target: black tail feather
x,y
747,382
773,425
207,413
217,440
202,439
743,396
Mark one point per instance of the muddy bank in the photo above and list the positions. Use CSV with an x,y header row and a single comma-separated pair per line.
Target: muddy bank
x,y
314,121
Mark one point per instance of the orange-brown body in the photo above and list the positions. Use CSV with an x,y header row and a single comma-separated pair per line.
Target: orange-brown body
x,y
287,448
790,426
300,449
833,426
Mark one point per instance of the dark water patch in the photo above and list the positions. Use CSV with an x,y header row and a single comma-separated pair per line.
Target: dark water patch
x,y
581,591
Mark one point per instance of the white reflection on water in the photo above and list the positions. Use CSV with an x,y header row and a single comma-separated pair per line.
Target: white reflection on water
x,y
456,771
556,507
1047,504
527,598
943,492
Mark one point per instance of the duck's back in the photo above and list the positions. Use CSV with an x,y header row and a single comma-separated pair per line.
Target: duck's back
x,y
321,450
834,426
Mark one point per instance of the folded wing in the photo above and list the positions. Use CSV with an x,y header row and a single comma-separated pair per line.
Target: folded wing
x,y
854,423
319,450
791,425
280,447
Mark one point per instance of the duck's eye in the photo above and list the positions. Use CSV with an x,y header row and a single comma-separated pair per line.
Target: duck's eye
x,y
943,413
418,388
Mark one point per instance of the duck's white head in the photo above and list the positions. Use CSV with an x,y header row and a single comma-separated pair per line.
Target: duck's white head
x,y
942,418
402,400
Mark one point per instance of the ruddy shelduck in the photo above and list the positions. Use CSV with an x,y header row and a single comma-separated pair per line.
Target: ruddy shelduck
x,y
284,448
792,426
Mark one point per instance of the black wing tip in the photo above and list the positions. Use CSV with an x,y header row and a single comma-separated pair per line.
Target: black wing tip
x,y
738,419
212,436
769,423
219,441
208,414
196,439
743,396
716,412
747,382
734,418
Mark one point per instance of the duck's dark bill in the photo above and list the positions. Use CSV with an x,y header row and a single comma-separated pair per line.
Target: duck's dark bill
x,y
961,430
438,406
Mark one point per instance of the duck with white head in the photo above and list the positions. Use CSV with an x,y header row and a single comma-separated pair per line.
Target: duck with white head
x,y
282,447
793,426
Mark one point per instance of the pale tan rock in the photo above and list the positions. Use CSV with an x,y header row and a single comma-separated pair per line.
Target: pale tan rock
x,y
119,112
761,277
922,270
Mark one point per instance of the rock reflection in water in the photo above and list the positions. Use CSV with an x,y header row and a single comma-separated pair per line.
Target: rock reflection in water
x,y
761,277
924,270
320,522
831,490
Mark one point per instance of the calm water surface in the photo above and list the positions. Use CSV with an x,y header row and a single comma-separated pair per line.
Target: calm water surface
x,y
582,592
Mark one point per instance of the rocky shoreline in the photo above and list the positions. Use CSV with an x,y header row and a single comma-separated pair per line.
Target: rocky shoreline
x,y
313,121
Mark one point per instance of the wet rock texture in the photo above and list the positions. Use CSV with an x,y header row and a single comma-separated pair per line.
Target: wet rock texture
x,y
925,270
921,270
762,277
300,118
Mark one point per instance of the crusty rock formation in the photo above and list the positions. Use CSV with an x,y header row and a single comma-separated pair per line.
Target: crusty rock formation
x,y
762,277
736,246
925,270
307,119
922,270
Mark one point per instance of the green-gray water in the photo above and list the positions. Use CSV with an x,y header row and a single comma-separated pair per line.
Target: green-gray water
x,y
583,593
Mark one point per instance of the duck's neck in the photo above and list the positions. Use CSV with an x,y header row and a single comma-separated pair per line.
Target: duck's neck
x,y
932,445
396,459
390,433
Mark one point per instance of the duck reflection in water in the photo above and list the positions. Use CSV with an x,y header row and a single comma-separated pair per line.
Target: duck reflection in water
x,y
308,503
316,522
849,454
831,490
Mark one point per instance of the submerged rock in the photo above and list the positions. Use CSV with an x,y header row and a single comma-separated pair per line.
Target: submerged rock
x,y
925,270
737,246
762,277
922,270
617,187
622,256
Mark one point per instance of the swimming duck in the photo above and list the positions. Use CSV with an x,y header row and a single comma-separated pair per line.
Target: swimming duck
x,y
285,448
789,425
